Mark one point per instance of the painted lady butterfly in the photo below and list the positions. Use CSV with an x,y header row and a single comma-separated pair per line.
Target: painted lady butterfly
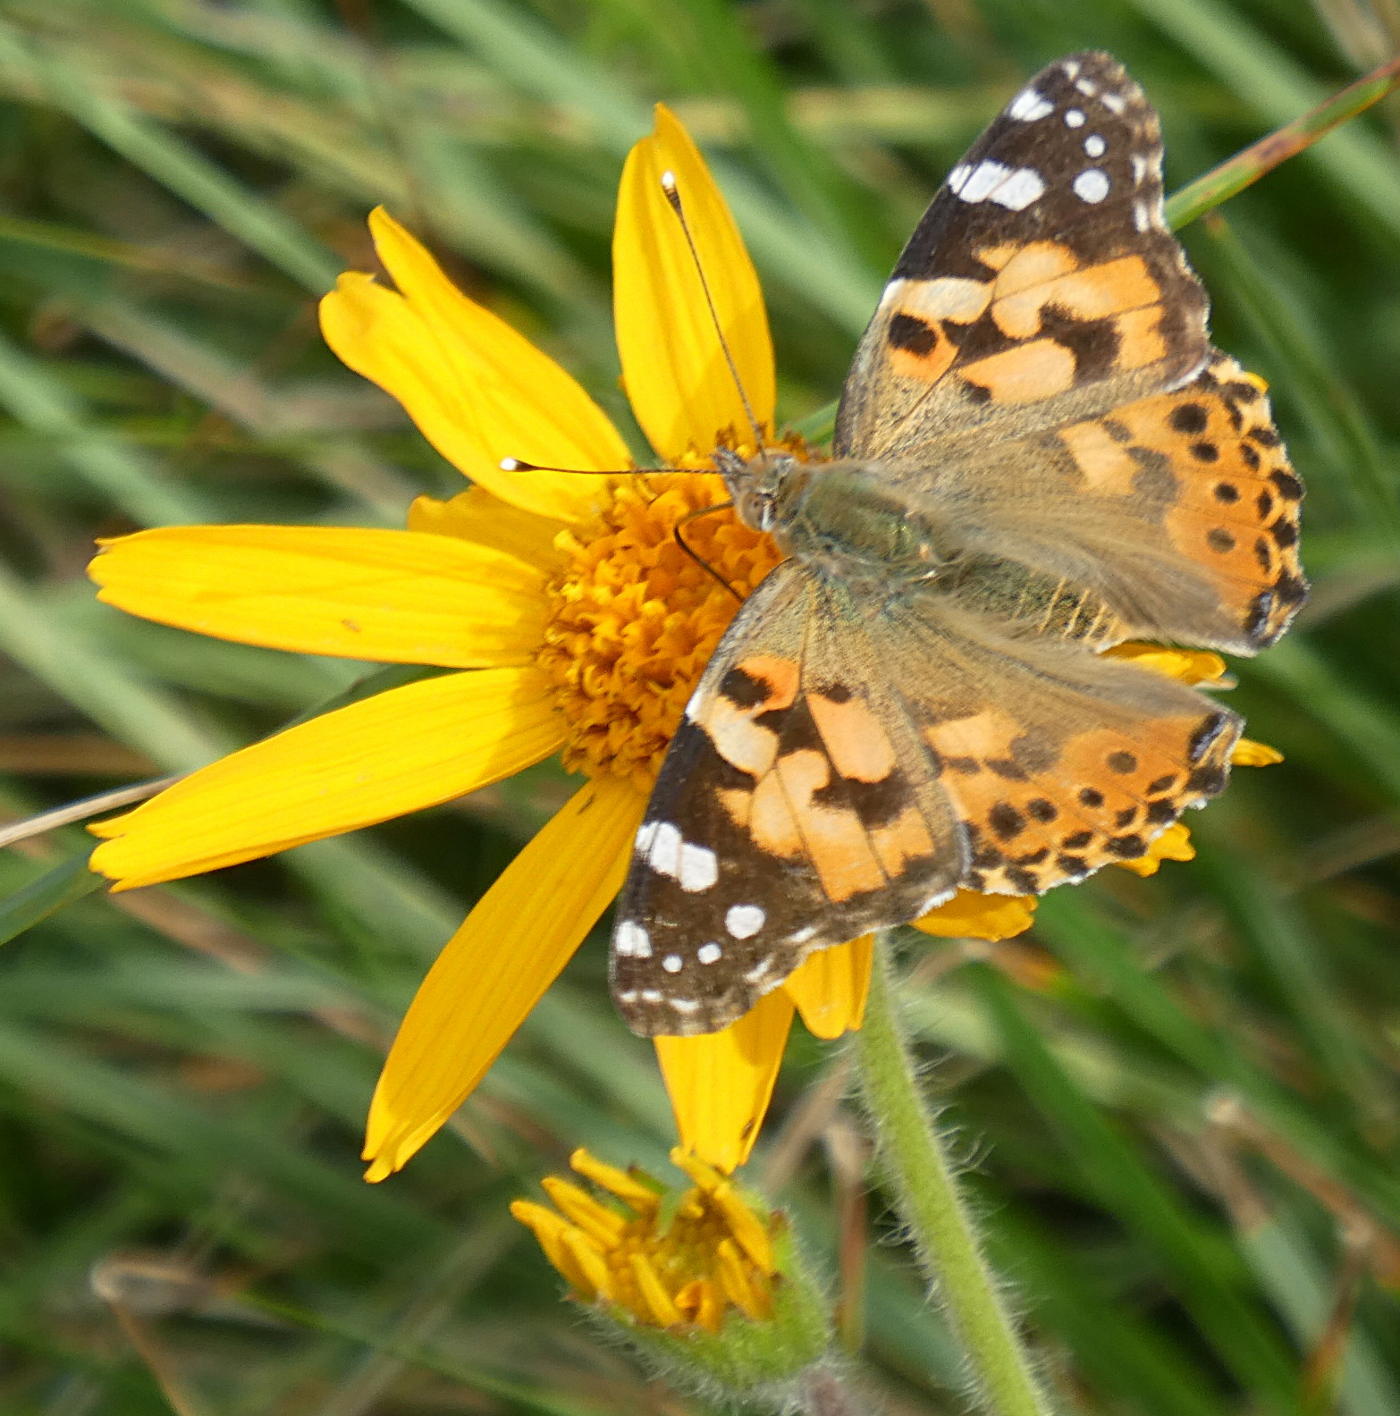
x,y
1038,454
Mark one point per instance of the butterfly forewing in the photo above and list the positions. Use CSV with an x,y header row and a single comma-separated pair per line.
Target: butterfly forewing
x,y
795,810
1042,283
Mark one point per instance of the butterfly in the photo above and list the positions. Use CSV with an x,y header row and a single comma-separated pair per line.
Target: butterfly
x,y
1037,456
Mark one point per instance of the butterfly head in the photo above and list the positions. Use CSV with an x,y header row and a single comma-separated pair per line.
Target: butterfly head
x,y
758,484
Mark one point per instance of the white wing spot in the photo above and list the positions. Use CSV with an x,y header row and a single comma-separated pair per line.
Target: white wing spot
x,y
1074,118
685,1005
801,936
1087,88
1091,185
664,847
673,963
709,953
1141,165
1095,146
983,181
692,707
1114,102
695,867
1028,105
762,967
957,177
650,995
1020,189
631,940
1071,68
627,995
1142,216
744,921
699,867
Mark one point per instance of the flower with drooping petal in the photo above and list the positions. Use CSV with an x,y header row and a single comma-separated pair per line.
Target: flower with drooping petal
x,y
566,615
705,1284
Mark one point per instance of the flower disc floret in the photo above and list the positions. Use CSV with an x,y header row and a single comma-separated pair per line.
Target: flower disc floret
x,y
635,616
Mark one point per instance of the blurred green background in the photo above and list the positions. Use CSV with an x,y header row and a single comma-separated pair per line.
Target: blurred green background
x,y
1175,1098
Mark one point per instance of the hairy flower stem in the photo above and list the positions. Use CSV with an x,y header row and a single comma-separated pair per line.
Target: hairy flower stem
x,y
822,1393
929,1202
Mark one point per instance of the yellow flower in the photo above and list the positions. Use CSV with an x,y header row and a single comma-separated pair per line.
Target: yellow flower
x,y
687,1264
569,620
710,1290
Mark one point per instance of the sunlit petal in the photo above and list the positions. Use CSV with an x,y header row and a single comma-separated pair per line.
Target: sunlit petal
x,y
477,390
477,515
829,987
494,969
1191,666
386,596
401,750
720,1083
682,389
1249,753
969,915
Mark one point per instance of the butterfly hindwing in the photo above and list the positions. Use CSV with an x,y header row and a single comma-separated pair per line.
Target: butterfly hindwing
x,y
1203,473
1057,761
1173,517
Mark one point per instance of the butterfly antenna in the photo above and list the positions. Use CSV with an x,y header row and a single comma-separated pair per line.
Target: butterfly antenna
x,y
518,464
673,200
694,554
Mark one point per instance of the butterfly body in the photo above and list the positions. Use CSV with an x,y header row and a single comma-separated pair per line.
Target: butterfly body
x,y
1038,455
845,517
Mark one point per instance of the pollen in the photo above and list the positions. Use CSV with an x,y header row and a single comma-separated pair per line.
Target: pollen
x,y
636,609
677,1262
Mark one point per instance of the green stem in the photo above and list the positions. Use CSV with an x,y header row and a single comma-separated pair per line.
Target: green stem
x,y
1224,181
930,1204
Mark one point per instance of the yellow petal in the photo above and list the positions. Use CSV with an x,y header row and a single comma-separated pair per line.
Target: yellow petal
x,y
720,1083
1191,666
387,596
494,969
1248,753
673,364
734,1279
550,1231
477,390
597,1281
748,1231
604,1226
401,750
476,515
701,1304
969,915
1172,844
656,1308
829,987
639,1197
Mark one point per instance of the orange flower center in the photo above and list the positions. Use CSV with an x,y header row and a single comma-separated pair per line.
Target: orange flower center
x,y
635,616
